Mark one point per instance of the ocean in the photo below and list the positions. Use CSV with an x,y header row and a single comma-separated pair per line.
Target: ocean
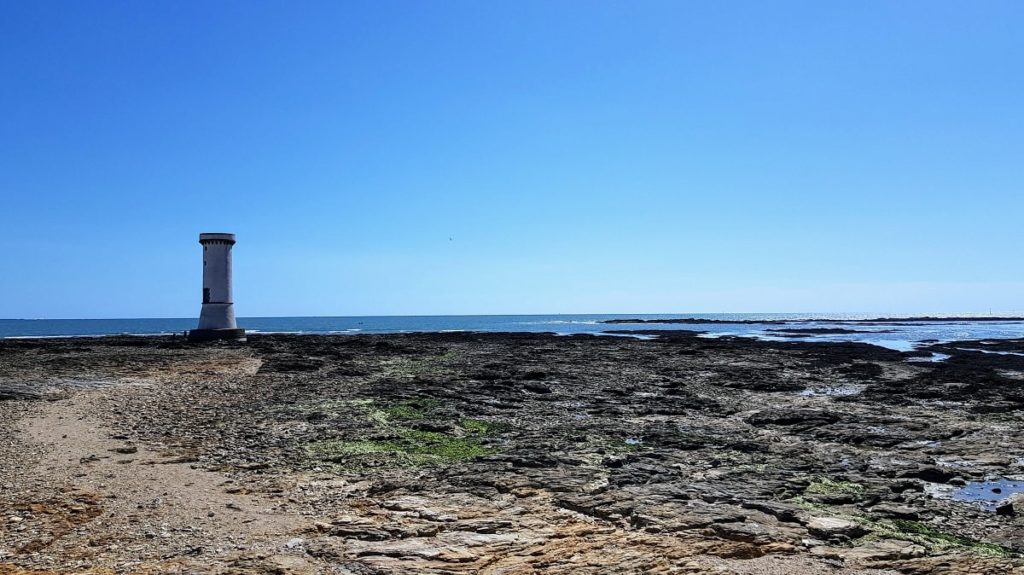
x,y
900,335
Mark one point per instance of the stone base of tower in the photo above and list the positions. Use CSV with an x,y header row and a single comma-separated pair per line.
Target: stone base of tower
x,y
217,335
217,316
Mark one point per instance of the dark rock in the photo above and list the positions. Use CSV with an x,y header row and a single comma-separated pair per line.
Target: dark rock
x,y
784,512
929,473
362,533
792,417
285,364
906,485
896,512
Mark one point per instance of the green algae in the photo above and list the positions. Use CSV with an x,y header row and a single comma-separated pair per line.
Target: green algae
x,y
911,531
483,427
933,539
412,409
412,448
443,446
405,445
811,506
826,486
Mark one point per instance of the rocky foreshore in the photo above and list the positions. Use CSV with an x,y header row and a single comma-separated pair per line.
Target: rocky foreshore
x,y
509,453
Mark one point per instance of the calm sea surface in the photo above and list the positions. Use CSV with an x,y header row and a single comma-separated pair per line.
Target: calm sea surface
x,y
896,335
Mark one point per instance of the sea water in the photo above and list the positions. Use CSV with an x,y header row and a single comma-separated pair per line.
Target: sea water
x,y
900,335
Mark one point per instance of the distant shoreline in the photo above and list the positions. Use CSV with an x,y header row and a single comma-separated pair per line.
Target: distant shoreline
x,y
871,321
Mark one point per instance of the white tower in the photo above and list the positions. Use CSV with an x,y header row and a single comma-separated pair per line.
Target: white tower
x,y
217,319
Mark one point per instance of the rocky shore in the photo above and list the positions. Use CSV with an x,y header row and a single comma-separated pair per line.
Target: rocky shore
x,y
509,453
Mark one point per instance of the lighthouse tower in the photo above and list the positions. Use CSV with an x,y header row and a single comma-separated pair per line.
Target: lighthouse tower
x,y
217,319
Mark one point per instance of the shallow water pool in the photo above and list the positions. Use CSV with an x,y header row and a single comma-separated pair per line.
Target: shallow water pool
x,y
988,493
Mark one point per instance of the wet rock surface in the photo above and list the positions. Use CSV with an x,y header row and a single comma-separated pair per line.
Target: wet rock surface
x,y
505,453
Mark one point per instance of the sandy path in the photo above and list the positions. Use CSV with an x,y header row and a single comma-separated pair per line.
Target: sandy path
x,y
110,499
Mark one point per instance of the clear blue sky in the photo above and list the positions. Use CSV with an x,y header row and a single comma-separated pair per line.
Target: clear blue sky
x,y
513,156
